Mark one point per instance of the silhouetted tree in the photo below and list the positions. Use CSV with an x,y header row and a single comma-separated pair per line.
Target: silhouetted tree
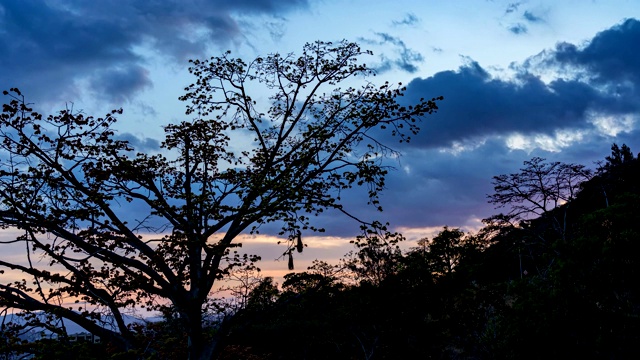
x,y
263,295
583,302
68,185
617,173
446,249
376,256
538,189
619,156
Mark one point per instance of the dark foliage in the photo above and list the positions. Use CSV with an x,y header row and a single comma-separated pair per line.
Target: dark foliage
x,y
514,291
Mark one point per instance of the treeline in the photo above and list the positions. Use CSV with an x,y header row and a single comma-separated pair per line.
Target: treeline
x,y
554,276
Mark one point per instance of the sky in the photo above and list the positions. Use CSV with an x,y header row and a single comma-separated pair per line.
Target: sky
x,y
558,79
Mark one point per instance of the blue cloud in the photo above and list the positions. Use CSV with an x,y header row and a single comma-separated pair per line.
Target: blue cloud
x,y
407,59
518,29
409,19
512,7
531,17
61,44
478,105
118,85
434,188
610,58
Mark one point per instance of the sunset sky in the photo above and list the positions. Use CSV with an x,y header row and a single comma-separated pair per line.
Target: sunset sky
x,y
559,79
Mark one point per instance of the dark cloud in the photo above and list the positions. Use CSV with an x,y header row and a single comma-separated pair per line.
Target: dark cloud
x,y
610,58
441,188
407,59
444,188
477,105
50,48
117,85
512,7
408,20
433,188
604,79
531,17
445,174
438,183
518,29
516,25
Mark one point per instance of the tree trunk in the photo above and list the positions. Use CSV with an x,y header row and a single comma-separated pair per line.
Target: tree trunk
x,y
198,346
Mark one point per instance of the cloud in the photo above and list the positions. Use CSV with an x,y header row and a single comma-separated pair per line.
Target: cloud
x,y
512,7
407,59
488,126
518,29
64,45
476,105
447,188
409,19
610,58
531,17
276,28
443,188
601,79
515,18
117,85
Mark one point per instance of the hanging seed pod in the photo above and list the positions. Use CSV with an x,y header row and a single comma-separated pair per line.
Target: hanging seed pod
x,y
290,261
299,245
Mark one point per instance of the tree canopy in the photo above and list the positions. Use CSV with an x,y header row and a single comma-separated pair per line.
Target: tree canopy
x,y
67,181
